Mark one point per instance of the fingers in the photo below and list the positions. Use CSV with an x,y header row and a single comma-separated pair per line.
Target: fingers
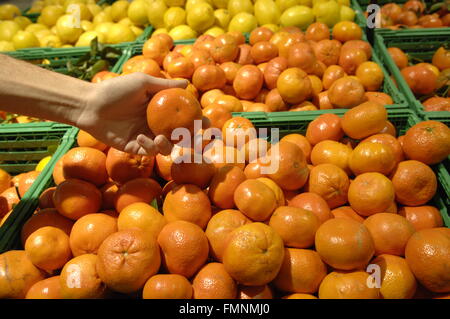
x,y
147,146
155,84
163,144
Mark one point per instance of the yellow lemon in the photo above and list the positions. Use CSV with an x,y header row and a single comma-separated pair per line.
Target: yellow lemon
x,y
222,18
273,27
102,17
297,16
191,3
50,15
8,29
51,40
267,12
215,31
35,27
9,11
119,10
182,32
243,22
175,3
220,4
237,6
85,39
120,33
42,163
174,16
22,21
155,13
327,12
87,25
200,17
94,9
6,46
347,13
104,28
136,30
67,29
137,12
126,21
286,4
25,39
161,30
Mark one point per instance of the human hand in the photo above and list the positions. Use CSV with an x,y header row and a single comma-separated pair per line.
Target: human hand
x,y
115,113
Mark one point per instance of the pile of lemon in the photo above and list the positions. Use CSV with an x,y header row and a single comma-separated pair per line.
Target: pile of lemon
x,y
68,23
185,19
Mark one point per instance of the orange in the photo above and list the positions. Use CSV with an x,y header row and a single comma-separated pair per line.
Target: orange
x,y
219,226
191,168
296,226
350,60
167,286
8,198
273,70
178,105
414,182
346,31
364,120
263,51
314,203
254,254
372,157
163,166
428,142
137,190
217,114
48,288
58,174
379,97
399,57
301,55
221,155
422,217
358,44
90,231
48,248
237,131
255,292
189,203
292,172
370,75
346,212
208,77
122,167
5,180
46,198
428,255
260,34
420,79
223,185
43,218
142,216
75,198
279,195
197,57
347,285
390,233
156,49
255,199
302,271
346,93
371,193
327,51
248,82
165,39
79,279
184,248
142,64
344,244
294,85
324,127
330,182
232,103
441,58
331,152
224,48
181,67
230,69
102,76
299,296
301,141
126,259
255,148
85,163
253,171
17,274
210,96
397,279
331,74
317,31
388,140
26,181
213,282
109,191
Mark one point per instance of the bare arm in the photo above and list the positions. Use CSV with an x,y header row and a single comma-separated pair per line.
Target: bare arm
x,y
113,111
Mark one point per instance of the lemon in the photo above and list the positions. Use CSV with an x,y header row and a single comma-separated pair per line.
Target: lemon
x,y
347,13
119,10
136,30
42,33
35,27
155,13
87,25
67,46
8,29
23,22
327,12
42,163
85,39
243,22
36,7
9,11
215,31
53,30
137,12
6,46
94,9
67,29
314,2
222,18
273,27
67,3
182,32
297,16
307,3
25,39
191,3
175,3
344,2
102,17
220,4
286,4
237,6
50,40
200,17
174,16
50,15
161,30
126,21
120,33
267,12
107,10
103,28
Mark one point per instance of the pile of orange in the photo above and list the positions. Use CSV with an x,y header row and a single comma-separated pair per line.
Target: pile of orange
x,y
347,195
289,70
430,82
413,14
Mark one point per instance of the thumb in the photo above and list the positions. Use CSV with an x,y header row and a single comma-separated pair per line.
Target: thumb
x,y
155,84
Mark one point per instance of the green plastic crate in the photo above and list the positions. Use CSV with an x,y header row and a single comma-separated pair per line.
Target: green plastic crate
x,y
417,43
32,16
22,146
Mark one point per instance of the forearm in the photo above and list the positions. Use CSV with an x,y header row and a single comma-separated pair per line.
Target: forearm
x,y
33,91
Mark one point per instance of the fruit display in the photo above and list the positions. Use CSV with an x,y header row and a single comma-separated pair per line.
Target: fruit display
x,y
414,14
350,191
186,19
71,23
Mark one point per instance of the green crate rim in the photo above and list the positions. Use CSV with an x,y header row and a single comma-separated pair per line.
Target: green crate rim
x,y
28,203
